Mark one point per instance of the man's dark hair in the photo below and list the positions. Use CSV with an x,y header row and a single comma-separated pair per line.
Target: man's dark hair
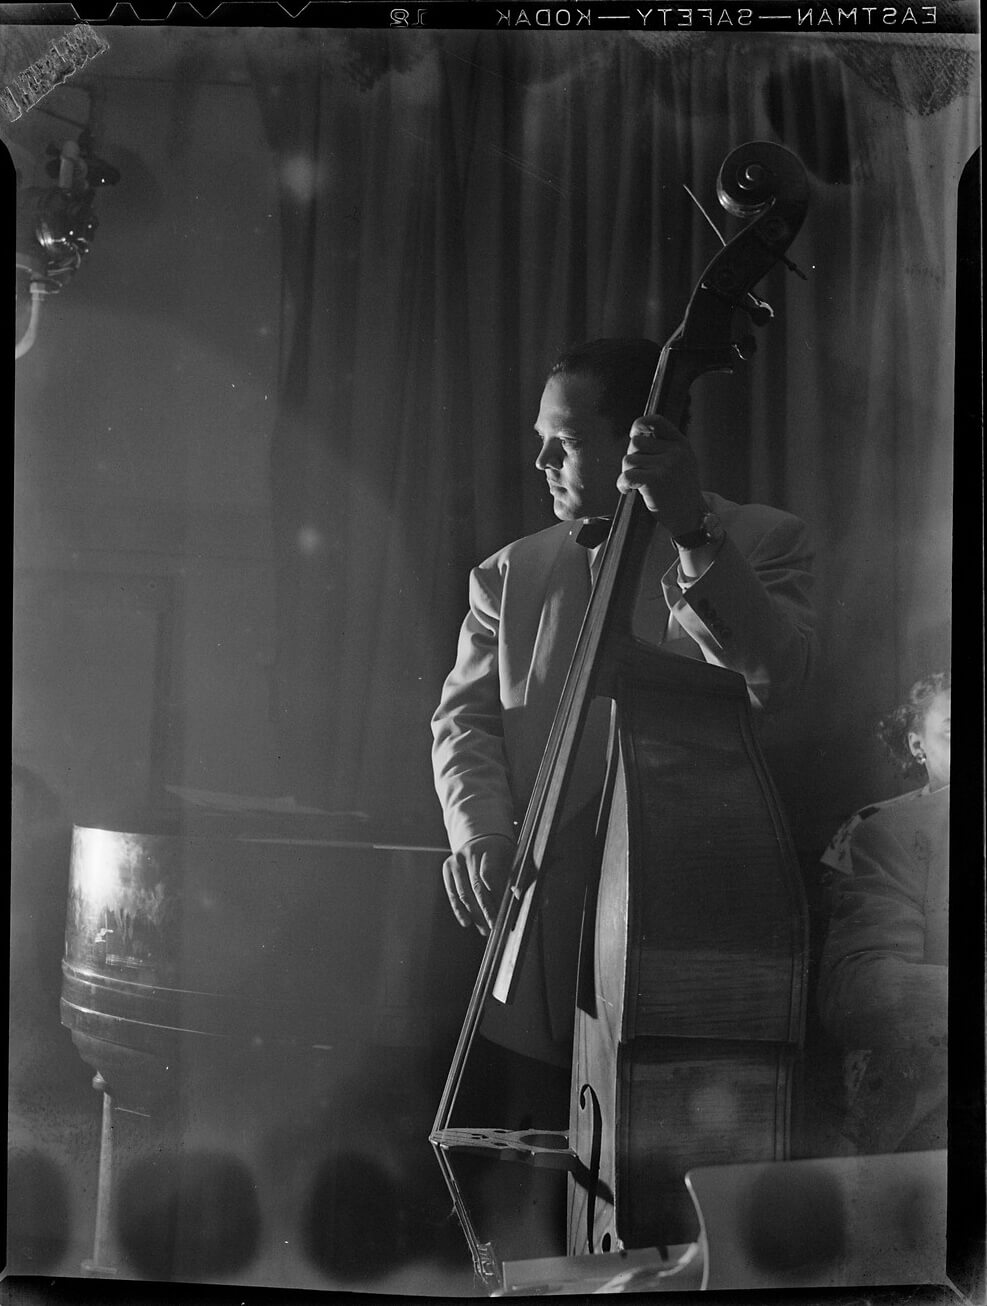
x,y
623,369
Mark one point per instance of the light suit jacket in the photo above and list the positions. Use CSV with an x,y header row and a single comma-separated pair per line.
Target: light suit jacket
x,y
750,612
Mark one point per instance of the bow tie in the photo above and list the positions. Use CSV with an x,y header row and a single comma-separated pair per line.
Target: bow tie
x,y
594,531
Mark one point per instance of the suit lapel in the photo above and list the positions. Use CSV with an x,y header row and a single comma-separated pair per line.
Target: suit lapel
x,y
566,594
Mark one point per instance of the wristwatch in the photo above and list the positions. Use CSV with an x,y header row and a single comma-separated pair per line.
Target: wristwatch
x,y
709,531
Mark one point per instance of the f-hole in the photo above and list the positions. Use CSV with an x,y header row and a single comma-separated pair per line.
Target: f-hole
x,y
587,1092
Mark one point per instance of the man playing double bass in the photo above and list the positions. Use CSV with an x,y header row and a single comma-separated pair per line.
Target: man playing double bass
x,y
724,582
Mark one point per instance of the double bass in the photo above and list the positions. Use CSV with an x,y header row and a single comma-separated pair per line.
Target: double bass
x,y
689,1004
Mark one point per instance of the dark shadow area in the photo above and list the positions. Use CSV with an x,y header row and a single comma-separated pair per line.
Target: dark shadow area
x,y
189,1217
39,1218
794,1225
363,1220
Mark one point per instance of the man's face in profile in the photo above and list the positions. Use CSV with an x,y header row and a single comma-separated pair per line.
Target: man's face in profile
x,y
581,453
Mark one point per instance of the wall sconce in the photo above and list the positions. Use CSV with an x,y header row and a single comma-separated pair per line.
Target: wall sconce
x,y
56,225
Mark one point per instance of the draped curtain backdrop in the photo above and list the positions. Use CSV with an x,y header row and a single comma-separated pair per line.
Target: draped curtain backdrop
x,y
455,207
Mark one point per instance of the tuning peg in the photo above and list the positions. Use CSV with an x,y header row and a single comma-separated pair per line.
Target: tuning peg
x,y
746,347
759,311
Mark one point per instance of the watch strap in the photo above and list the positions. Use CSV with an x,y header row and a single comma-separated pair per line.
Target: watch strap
x,y
708,532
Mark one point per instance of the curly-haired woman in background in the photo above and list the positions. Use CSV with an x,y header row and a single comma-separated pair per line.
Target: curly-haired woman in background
x,y
883,975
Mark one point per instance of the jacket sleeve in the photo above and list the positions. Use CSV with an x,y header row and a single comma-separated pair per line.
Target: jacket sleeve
x,y
875,988
753,613
468,757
